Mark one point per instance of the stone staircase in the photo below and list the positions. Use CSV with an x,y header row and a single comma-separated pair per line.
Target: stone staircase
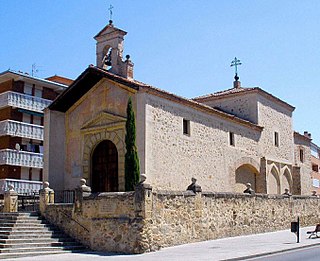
x,y
27,234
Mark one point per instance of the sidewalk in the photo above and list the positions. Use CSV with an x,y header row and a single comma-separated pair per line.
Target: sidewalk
x,y
235,248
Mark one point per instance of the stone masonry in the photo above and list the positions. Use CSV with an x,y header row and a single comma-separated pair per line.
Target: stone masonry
x,y
142,221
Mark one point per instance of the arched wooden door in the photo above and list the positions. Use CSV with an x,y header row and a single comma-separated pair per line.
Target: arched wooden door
x,y
104,168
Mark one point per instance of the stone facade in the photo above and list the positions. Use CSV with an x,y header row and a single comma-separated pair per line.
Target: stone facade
x,y
205,153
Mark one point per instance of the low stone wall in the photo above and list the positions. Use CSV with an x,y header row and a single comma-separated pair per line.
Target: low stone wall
x,y
103,222
182,217
142,221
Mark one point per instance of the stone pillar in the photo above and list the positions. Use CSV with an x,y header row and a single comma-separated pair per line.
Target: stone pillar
x,y
80,192
143,198
46,197
10,200
261,179
296,178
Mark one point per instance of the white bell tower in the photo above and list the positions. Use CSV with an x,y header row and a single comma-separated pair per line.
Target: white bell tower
x,y
109,51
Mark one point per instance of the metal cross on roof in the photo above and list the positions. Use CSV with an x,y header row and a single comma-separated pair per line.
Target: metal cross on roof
x,y
110,10
235,63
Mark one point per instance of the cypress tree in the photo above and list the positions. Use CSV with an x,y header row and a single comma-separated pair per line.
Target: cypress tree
x,y
132,168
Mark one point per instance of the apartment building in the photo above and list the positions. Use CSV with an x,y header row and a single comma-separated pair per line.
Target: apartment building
x,y
22,100
315,161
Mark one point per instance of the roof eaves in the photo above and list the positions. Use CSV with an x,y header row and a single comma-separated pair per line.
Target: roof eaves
x,y
199,106
20,74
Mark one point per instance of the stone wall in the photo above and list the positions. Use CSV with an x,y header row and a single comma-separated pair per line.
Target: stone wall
x,y
275,118
103,222
179,218
142,221
305,166
243,105
172,157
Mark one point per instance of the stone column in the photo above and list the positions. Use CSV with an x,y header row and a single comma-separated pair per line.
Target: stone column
x,y
46,197
10,200
143,198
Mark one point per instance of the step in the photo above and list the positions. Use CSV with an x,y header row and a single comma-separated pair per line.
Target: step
x,y
28,228
35,240
39,245
27,234
37,253
15,217
18,233
20,214
35,236
18,225
42,249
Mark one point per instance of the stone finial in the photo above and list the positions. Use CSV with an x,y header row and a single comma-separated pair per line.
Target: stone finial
x,y
249,190
143,178
10,188
286,192
45,184
193,186
83,186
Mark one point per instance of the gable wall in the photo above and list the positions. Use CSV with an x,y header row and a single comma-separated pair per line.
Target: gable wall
x,y
104,97
243,106
275,118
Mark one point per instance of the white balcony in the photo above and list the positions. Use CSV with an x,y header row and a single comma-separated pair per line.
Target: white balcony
x,y
21,158
21,129
23,101
20,186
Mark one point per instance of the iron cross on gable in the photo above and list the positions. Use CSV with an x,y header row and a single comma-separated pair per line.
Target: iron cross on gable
x,y
235,63
110,11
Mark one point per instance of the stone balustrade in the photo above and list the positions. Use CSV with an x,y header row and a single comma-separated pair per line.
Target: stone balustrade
x,y
21,129
23,101
21,158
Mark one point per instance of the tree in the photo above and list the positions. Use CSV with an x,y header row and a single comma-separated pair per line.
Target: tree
x,y
132,167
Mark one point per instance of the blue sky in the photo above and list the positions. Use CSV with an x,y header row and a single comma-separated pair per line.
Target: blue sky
x,y
182,46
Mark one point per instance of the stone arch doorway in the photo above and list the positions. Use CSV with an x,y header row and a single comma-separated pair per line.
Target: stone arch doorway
x,y
246,173
104,167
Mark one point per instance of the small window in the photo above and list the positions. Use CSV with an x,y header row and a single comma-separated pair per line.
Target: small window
x,y
276,139
186,127
315,168
301,155
231,139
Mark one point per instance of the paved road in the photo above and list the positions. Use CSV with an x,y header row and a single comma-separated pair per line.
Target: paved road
x,y
306,254
233,248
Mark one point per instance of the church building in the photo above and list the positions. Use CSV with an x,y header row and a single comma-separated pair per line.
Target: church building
x,y
224,140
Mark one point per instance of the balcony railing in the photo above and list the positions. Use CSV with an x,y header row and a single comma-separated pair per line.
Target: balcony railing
x,y
23,101
21,186
21,129
21,158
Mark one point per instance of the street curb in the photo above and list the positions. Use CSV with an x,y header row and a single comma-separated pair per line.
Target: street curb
x,y
270,253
